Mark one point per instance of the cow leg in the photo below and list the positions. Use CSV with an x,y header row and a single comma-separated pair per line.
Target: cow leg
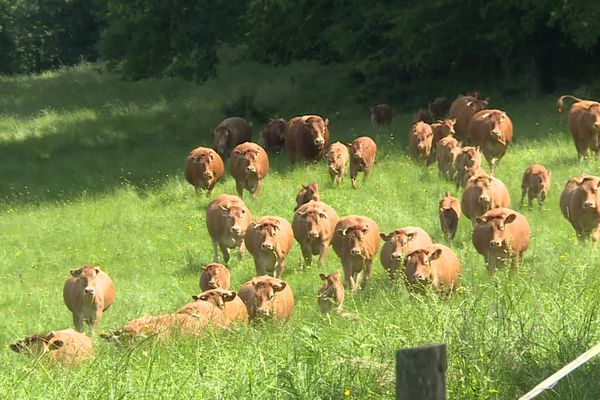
x,y
348,275
239,188
256,188
530,202
78,323
523,193
96,319
595,235
306,254
322,254
366,276
215,251
353,173
225,251
279,269
242,248
261,269
367,172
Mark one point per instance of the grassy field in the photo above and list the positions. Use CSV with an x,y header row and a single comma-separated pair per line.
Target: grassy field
x,y
91,172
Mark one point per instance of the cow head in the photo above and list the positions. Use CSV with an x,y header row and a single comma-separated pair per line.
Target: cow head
x,y
447,126
203,162
594,115
423,134
312,218
469,156
483,183
448,214
221,139
417,266
214,271
332,290
234,216
589,192
307,193
218,297
37,344
268,232
494,121
265,292
496,224
249,158
86,281
355,236
317,127
399,240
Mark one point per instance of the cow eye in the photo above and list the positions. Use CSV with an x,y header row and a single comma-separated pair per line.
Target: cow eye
x,y
243,211
501,227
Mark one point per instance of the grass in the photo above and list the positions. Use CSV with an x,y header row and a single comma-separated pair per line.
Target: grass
x,y
91,172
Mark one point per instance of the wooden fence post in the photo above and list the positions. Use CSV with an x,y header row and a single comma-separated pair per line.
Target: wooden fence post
x,y
421,373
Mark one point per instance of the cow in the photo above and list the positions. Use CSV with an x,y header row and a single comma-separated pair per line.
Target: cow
x,y
381,114
267,298
580,205
248,165
229,133
420,141
269,240
65,346
463,108
435,265
313,227
447,150
227,219
331,294
355,241
483,193
492,131
440,107
308,193
307,138
204,168
87,293
362,157
468,173
210,310
440,130
501,234
272,138
469,157
449,212
397,244
337,158
423,115
160,327
229,302
214,276
584,124
535,184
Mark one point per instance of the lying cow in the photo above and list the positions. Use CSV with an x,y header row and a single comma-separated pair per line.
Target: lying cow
x,y
227,301
66,346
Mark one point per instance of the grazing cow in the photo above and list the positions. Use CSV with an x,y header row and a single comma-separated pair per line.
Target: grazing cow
x,y
337,158
269,240
463,108
214,276
580,205
267,297
87,293
483,193
229,302
273,136
355,241
381,114
535,183
584,124
331,294
307,138
66,346
449,211
362,157
229,133
499,234
435,265
313,227
227,219
447,150
423,115
397,244
420,141
440,107
307,193
159,326
492,131
248,165
469,157
204,168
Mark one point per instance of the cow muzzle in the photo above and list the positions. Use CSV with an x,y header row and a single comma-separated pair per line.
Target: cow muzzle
x,y
484,198
313,234
251,168
420,277
212,284
267,246
356,251
262,312
89,291
589,204
397,256
236,230
207,174
495,244
319,142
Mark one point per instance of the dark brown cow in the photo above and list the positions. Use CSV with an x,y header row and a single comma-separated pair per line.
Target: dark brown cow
x,y
331,294
483,193
584,124
435,265
337,158
420,141
423,115
214,276
313,227
381,114
267,297
307,138
227,219
269,240
204,168
229,133
469,157
272,138
501,234
248,165
492,131
447,150
463,108
397,244
440,130
449,210
535,183
362,157
440,107
580,205
66,346
307,193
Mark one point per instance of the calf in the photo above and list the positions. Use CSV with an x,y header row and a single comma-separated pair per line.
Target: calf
x,y
337,158
499,234
447,150
397,244
227,301
535,183
229,133
269,240
307,138
66,346
331,294
204,168
449,211
362,157
435,265
420,141
249,164
273,136
468,157
87,293
440,130
492,130
214,276
267,297
483,193
580,205
584,124
307,193
355,241
313,227
381,114
227,219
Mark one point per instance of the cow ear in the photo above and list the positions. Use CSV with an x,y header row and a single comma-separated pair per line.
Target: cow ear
x,y
97,270
435,255
195,297
411,234
510,218
486,115
342,231
304,187
384,236
448,194
57,344
326,122
365,229
211,156
229,296
278,287
75,272
481,220
323,276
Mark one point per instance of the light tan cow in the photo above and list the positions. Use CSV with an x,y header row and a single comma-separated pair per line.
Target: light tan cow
x,y
535,184
269,240
435,265
214,276
440,129
447,150
227,219
204,169
483,193
397,244
66,346
580,205
331,294
313,227
160,327
362,157
229,302
449,213
267,297
420,141
337,158
248,165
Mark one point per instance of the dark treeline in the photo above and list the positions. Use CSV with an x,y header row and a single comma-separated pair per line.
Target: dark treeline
x,y
391,48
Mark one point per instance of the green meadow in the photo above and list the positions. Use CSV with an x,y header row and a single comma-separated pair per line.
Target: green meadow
x,y
91,171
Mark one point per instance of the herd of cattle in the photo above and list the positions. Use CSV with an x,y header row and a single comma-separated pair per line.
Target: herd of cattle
x,y
465,129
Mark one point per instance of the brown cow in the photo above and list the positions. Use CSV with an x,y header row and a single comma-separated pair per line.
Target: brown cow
x,y
449,215
440,130
435,265
267,297
420,141
66,346
87,293
492,131
355,241
214,276
269,240
229,302
209,310
159,326
467,174
362,157
584,124
499,234
483,193
580,205
463,108
535,183
381,114
227,219
204,168
337,158
313,227
273,136
229,133
447,150
331,294
307,193
423,115
398,244
440,107
307,138
248,165
469,157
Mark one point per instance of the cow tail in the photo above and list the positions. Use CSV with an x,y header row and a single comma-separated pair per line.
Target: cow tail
x,y
559,103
